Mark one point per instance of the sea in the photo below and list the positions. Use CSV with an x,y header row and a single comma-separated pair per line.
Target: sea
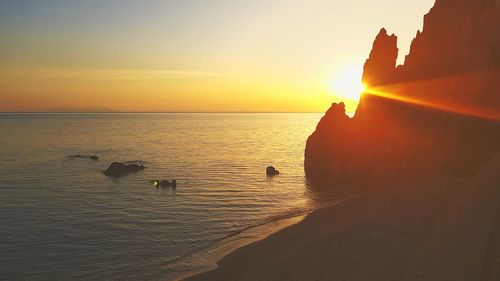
x,y
61,218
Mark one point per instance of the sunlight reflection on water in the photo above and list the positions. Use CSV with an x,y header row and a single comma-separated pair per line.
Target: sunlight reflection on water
x,y
63,219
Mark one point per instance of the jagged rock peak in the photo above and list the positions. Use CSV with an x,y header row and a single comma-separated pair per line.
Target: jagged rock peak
x,y
337,109
380,65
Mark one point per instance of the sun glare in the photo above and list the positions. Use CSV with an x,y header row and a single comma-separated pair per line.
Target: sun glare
x,y
346,83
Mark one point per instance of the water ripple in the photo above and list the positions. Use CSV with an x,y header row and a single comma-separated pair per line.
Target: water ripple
x,y
63,219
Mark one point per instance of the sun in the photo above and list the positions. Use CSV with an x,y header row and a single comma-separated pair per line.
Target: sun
x,y
346,83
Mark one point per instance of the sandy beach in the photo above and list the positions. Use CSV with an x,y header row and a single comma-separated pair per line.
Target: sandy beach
x,y
440,229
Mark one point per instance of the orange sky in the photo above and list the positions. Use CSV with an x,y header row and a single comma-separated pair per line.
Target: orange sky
x,y
221,55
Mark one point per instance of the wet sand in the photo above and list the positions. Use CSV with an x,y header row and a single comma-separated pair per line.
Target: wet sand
x,y
440,229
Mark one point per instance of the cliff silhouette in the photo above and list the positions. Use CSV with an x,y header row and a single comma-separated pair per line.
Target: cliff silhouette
x,y
437,114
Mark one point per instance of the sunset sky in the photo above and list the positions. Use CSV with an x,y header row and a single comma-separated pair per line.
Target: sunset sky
x,y
192,55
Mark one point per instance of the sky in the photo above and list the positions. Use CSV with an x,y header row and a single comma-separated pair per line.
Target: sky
x,y
192,55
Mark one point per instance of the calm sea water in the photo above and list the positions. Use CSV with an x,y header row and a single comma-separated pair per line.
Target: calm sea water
x,y
62,219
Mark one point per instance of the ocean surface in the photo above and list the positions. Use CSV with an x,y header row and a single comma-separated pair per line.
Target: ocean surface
x,y
62,219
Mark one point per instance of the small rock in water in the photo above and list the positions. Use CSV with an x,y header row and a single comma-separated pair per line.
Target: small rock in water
x,y
117,169
271,171
91,157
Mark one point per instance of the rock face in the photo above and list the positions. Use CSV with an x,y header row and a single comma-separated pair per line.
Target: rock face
x,y
439,113
117,169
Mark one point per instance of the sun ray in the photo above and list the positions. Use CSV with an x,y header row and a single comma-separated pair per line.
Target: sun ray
x,y
397,93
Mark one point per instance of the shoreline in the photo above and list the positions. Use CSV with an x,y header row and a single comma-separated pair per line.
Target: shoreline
x,y
216,253
256,233
439,229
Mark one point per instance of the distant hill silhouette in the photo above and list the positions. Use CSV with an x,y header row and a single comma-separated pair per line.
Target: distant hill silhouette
x,y
439,113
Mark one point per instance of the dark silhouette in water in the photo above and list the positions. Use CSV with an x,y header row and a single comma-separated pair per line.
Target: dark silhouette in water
x,y
91,157
438,113
271,171
117,169
165,183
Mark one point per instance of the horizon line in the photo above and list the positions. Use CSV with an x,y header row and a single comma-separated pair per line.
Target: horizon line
x,y
144,112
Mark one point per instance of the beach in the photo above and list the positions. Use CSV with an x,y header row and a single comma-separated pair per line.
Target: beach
x,y
438,229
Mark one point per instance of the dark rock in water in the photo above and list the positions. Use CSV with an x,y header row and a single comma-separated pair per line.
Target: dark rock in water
x,y
135,167
271,171
438,113
164,183
117,169
91,157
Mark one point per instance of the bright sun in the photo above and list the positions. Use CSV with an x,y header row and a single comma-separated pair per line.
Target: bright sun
x,y
346,83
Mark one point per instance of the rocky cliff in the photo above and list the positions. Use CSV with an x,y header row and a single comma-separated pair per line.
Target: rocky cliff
x,y
438,113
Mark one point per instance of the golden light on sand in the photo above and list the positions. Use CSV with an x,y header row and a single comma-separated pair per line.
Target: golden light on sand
x,y
346,83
